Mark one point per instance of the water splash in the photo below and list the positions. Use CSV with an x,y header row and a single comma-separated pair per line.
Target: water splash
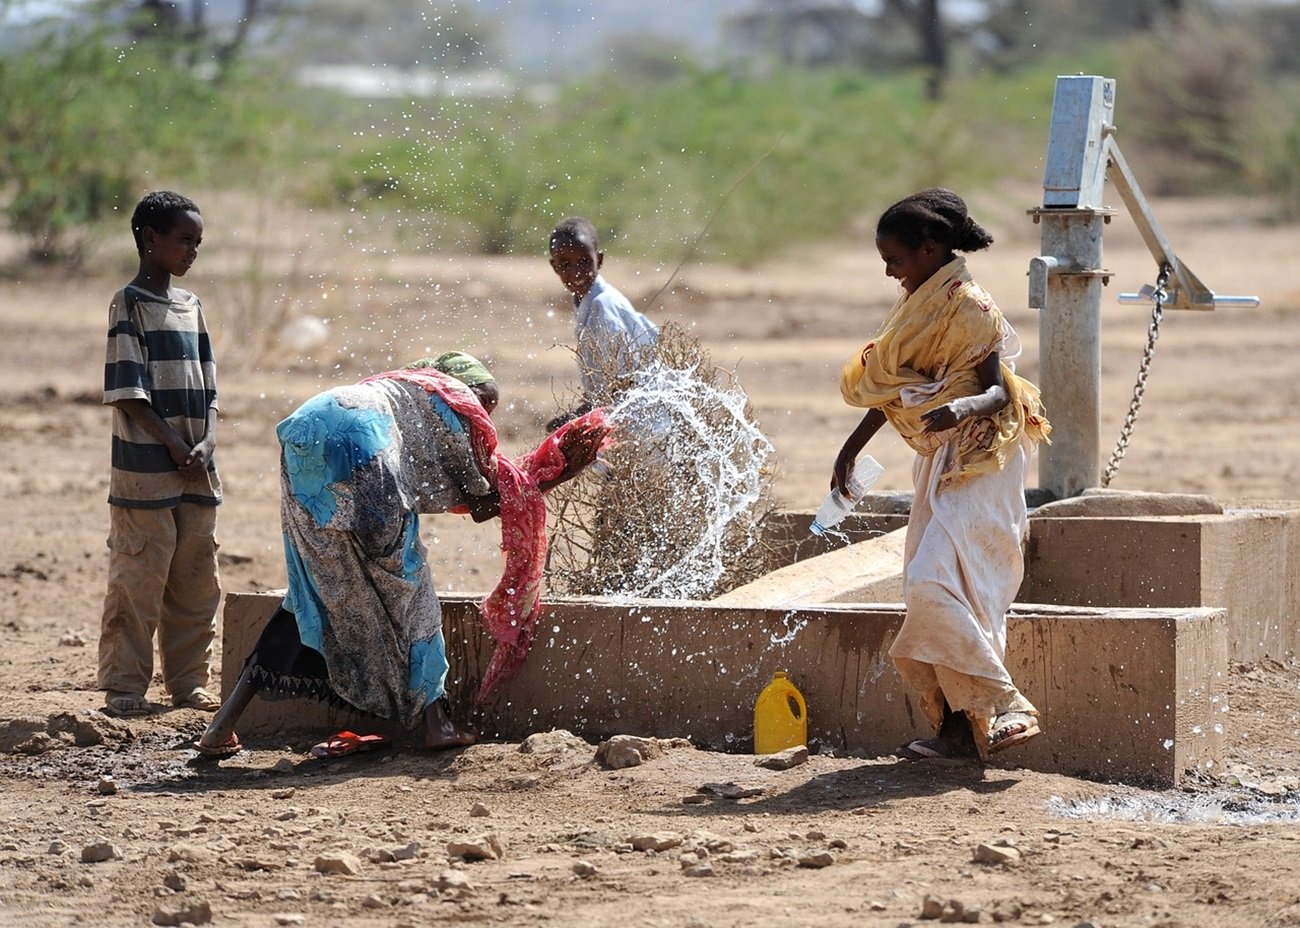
x,y
793,626
695,445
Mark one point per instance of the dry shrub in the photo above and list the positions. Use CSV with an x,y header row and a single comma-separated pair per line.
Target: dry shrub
x,y
679,511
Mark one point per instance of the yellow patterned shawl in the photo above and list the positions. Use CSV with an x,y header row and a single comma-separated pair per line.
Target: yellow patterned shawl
x,y
925,355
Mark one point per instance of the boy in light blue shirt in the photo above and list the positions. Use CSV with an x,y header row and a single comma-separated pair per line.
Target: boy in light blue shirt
x,y
607,326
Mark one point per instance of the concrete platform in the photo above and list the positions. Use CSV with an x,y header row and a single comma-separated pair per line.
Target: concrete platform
x,y
1103,549
1245,560
1125,694
865,571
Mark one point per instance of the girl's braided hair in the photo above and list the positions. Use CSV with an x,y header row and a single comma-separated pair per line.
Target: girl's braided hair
x,y
933,215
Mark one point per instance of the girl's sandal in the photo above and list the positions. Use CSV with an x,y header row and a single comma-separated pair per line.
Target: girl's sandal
x,y
940,749
1010,729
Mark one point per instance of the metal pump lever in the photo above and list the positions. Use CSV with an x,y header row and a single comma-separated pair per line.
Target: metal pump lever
x,y
1186,290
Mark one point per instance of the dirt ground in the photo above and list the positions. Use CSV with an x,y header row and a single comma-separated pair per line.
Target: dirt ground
x,y
834,842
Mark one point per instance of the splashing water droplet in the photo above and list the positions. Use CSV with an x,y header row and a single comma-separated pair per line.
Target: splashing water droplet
x,y
699,435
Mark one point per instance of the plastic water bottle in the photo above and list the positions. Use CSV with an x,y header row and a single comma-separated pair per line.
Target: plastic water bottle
x,y
780,716
836,505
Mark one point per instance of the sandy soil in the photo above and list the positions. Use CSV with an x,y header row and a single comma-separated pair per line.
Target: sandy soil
x,y
833,842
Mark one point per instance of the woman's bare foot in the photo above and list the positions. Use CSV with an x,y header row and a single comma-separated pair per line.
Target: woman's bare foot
x,y
214,748
440,732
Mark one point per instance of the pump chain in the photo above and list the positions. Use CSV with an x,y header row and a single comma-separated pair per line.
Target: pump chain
x,y
1139,389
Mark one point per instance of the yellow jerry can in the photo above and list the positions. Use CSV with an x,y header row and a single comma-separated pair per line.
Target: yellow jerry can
x,y
780,716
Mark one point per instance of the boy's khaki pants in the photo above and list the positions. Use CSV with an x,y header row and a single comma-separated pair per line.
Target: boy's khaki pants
x,y
162,576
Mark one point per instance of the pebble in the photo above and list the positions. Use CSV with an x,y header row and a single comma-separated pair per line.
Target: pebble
x,y
194,913
286,793
624,751
478,810
107,786
188,853
584,868
484,847
289,918
746,856
453,883
815,860
99,852
283,765
558,741
657,841
254,864
175,882
714,843
56,847
784,760
388,855
373,901
731,790
338,862
996,854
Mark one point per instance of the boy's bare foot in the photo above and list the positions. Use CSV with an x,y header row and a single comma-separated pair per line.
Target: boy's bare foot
x,y
197,698
440,732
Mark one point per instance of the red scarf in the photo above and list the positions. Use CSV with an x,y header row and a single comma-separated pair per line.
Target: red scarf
x,y
510,611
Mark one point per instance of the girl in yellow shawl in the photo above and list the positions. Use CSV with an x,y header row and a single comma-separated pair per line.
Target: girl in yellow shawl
x,y
939,370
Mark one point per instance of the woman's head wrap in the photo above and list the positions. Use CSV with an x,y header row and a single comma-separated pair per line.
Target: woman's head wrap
x,y
466,368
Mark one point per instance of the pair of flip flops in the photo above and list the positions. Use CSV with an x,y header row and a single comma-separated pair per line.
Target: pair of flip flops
x,y
228,747
348,742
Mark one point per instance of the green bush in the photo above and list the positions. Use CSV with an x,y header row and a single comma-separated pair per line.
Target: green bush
x,y
652,165
86,126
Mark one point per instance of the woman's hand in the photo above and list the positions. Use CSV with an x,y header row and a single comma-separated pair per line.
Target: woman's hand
x,y
579,445
853,445
842,471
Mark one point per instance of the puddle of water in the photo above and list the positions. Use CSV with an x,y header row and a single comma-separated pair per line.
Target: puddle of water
x,y
1242,806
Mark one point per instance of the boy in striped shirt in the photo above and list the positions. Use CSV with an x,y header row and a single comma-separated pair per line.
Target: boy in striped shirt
x,y
160,379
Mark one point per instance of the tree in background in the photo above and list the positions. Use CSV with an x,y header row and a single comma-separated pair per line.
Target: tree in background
x,y
1011,33
395,33
184,32
88,116
926,23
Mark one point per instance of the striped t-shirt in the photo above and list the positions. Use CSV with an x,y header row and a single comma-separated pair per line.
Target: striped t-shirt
x,y
159,352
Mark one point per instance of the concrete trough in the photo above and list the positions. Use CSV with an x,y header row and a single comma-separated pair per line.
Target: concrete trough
x,y
1104,549
1134,695
1244,560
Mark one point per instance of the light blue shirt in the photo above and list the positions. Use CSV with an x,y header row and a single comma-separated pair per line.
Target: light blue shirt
x,y
608,326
